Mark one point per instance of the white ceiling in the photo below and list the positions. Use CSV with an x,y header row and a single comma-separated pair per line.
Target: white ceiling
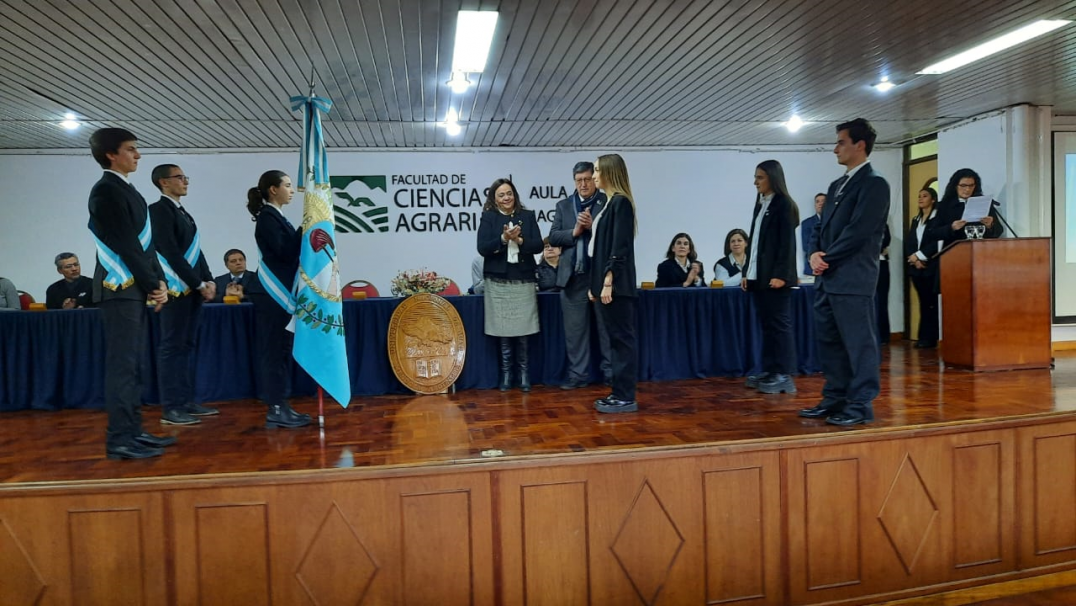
x,y
562,73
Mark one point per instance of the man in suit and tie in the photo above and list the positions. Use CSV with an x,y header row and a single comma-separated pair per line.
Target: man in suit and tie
x,y
127,274
807,232
844,259
235,282
189,281
571,232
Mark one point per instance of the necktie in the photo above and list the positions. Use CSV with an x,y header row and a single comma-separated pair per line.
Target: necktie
x,y
840,185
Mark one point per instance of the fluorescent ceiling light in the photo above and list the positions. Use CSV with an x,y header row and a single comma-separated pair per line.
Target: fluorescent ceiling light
x,y
474,35
794,124
996,45
69,122
452,123
459,83
453,129
884,85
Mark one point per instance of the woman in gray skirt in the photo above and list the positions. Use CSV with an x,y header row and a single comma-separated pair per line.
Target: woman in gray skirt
x,y
508,239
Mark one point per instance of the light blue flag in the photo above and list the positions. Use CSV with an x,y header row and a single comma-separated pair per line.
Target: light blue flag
x,y
319,319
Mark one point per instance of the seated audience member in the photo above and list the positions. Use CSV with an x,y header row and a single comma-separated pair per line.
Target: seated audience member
x,y
681,266
729,269
478,281
235,282
9,296
547,267
74,291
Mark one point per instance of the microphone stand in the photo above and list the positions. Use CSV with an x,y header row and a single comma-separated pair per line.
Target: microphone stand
x,y
1003,221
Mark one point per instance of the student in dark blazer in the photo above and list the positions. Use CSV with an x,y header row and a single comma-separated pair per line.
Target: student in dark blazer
x,y
127,274
807,230
189,282
770,274
919,251
238,280
965,183
279,243
571,231
844,259
612,280
681,267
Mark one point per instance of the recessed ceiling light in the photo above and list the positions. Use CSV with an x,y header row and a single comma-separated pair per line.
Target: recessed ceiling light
x,y
996,45
452,123
453,129
884,85
794,124
459,83
474,36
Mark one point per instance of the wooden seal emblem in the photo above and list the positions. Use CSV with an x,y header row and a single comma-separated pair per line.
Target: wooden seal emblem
x,y
427,344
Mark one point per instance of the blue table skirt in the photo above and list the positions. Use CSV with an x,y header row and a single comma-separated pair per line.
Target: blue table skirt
x,y
55,359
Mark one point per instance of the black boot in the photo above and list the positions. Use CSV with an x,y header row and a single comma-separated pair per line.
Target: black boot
x,y
522,359
282,415
506,363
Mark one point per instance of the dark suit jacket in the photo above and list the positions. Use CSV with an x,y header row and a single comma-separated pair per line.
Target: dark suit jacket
x,y
279,244
671,274
81,290
560,234
614,249
246,281
953,210
117,215
928,246
806,233
495,252
173,232
776,243
850,233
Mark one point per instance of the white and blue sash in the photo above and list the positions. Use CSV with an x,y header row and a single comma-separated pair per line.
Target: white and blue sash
x,y
283,297
118,275
177,286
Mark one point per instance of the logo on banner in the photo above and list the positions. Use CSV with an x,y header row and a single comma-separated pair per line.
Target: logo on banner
x,y
364,210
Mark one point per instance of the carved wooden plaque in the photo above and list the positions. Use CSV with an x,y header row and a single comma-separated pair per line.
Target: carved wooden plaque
x,y
427,343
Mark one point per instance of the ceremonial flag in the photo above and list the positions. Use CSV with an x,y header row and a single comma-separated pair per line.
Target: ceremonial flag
x,y
319,320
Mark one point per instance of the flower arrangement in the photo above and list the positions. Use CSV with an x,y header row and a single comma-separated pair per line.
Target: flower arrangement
x,y
413,281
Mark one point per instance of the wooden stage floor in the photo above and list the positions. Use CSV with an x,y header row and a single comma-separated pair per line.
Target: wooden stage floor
x,y
469,426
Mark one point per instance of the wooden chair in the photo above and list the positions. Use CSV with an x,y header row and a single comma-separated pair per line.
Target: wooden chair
x,y
356,286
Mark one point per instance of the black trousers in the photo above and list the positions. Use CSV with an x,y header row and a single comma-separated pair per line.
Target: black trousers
x,y
125,337
619,320
274,343
774,306
881,301
848,349
926,288
180,319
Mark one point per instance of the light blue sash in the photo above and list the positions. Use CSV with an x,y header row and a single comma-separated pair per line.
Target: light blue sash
x,y
283,297
176,286
118,276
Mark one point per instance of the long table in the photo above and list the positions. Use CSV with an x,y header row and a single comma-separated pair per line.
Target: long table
x,y
55,359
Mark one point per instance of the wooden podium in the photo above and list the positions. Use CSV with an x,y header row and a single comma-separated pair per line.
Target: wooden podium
x,y
996,304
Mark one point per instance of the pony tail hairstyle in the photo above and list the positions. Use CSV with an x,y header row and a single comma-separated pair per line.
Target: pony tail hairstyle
x,y
254,203
258,196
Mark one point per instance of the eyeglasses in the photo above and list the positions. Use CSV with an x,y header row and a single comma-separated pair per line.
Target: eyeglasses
x,y
584,180
965,185
183,178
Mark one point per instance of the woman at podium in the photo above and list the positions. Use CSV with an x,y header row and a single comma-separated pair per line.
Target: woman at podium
x,y
964,184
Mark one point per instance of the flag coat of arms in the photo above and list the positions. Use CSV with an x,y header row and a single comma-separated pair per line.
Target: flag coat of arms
x,y
319,347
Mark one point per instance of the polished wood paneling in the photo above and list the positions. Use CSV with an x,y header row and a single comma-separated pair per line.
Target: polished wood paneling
x,y
1048,490
107,563
436,541
554,543
232,553
977,505
831,523
996,304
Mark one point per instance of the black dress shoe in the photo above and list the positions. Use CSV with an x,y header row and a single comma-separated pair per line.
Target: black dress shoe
x,y
148,439
177,416
284,416
132,451
612,405
573,384
847,419
824,409
197,410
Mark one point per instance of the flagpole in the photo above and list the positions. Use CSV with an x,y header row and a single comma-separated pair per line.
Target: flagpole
x,y
321,411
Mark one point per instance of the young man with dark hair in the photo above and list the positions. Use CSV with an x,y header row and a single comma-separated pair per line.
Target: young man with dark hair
x,y
127,274
844,259
189,282
75,290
